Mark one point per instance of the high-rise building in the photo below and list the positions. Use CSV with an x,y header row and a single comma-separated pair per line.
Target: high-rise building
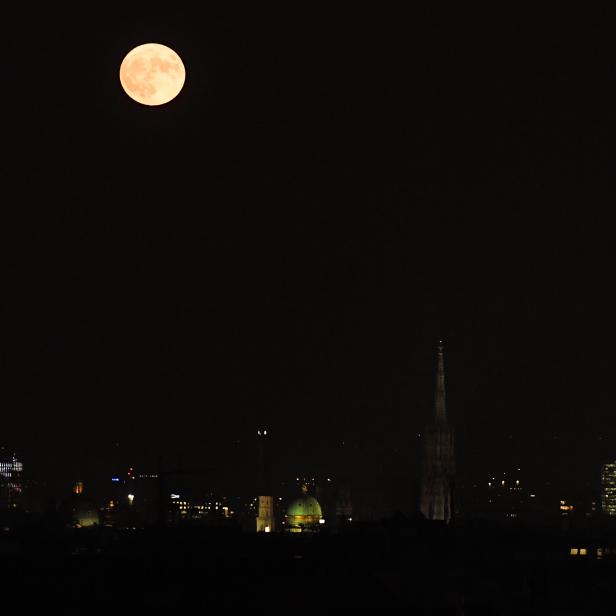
x,y
438,463
608,488
11,482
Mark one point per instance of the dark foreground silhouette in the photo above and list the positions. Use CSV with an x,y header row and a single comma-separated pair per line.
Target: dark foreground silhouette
x,y
409,566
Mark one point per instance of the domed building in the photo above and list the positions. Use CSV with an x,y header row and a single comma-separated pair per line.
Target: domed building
x,y
84,514
304,514
78,511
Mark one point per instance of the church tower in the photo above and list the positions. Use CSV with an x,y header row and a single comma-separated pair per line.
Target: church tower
x,y
438,463
265,512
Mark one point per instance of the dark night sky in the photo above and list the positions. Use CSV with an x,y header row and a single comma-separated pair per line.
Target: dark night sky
x,y
332,191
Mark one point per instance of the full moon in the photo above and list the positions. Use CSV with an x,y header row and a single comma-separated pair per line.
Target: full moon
x,y
152,74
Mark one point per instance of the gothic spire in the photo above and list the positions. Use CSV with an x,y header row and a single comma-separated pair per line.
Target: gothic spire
x,y
440,414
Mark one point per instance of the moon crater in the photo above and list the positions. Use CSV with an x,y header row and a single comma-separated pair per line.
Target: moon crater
x,y
152,74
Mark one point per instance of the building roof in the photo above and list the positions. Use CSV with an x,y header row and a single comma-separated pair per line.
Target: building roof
x,y
304,505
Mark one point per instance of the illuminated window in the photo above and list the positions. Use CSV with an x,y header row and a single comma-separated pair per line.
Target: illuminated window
x,y
573,551
583,552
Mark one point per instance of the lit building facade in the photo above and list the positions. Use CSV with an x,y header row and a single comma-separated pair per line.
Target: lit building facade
x,y
265,519
265,515
11,481
438,463
209,509
608,488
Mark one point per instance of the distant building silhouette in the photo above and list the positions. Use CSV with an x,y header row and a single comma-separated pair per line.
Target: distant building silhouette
x,y
344,503
438,463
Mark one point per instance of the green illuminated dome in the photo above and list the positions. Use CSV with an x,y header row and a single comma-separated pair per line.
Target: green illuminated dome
x,y
79,512
303,513
85,514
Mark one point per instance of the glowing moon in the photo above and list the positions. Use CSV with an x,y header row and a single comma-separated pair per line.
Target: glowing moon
x,y
152,74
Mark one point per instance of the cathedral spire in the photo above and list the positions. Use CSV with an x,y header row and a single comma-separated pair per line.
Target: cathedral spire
x,y
438,462
440,414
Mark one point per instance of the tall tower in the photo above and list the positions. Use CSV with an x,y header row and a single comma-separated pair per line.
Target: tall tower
x,y
265,515
438,462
